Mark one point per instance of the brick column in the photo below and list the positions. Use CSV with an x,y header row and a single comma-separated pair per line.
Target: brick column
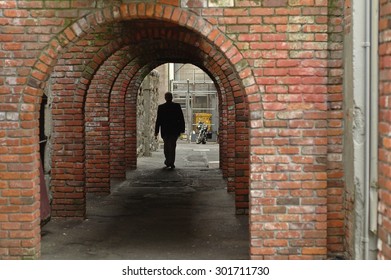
x,y
97,135
19,181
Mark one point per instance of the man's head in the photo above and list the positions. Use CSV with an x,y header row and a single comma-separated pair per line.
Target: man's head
x,y
168,96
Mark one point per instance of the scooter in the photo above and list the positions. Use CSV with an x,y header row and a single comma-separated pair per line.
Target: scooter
x,y
202,133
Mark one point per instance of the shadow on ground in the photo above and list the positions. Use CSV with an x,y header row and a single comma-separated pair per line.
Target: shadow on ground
x,y
185,213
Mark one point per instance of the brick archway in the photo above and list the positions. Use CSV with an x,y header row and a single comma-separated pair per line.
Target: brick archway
x,y
221,57
280,93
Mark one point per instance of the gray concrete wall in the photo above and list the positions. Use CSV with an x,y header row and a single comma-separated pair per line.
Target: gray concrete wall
x,y
354,140
356,144
164,81
348,151
147,102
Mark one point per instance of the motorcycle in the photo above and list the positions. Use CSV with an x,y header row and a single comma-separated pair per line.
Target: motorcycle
x,y
202,133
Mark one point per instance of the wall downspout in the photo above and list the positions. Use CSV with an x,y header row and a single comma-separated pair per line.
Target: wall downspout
x,y
367,82
371,121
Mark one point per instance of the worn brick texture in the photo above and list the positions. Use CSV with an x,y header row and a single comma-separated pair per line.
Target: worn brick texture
x,y
384,244
277,68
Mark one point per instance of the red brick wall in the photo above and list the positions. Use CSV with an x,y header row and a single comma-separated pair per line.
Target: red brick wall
x,y
335,114
277,65
384,230
104,122
119,115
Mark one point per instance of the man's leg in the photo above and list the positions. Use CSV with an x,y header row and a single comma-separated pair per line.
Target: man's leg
x,y
173,150
169,150
166,150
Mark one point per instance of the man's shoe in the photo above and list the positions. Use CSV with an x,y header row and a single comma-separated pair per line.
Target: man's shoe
x,y
172,166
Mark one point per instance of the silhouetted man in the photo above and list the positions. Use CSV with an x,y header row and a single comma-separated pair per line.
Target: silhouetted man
x,y
171,123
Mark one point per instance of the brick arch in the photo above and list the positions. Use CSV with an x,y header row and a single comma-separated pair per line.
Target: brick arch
x,y
122,147
227,84
229,153
98,123
134,11
48,59
105,86
69,115
287,183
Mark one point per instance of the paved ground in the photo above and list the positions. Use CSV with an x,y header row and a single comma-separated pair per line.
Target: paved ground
x,y
185,213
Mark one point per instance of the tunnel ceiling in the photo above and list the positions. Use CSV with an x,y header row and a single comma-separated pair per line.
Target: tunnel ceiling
x,y
157,43
148,43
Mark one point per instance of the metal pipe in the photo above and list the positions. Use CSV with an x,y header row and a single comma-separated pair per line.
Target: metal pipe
x,y
188,113
367,81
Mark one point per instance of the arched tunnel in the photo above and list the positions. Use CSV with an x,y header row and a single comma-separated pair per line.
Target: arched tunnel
x,y
278,70
92,93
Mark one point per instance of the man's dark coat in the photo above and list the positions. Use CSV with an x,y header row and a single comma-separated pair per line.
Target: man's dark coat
x,y
170,120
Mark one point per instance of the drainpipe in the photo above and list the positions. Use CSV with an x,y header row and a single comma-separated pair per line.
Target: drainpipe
x,y
371,123
367,81
188,112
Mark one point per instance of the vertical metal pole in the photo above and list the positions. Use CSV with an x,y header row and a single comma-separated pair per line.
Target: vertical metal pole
x,y
191,110
373,132
188,113
367,46
147,120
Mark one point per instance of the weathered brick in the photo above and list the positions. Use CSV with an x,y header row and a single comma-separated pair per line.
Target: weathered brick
x,y
281,101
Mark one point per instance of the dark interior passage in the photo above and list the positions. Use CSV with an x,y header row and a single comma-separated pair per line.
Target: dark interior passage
x,y
185,213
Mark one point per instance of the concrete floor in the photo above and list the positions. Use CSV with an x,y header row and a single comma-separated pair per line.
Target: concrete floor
x,y
185,213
